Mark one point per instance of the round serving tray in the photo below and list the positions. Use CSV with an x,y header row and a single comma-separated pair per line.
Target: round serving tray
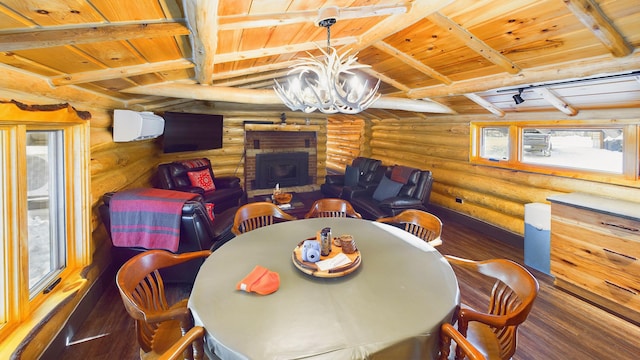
x,y
312,269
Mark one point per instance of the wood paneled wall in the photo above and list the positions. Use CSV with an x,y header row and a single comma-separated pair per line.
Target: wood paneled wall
x,y
442,144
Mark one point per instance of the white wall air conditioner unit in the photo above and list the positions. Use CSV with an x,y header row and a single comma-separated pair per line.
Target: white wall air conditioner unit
x,y
131,125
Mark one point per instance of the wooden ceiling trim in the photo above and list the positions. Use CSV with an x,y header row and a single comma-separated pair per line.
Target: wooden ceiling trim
x,y
485,104
172,9
19,81
244,21
114,11
474,43
10,19
254,78
252,70
125,71
573,69
386,79
160,104
278,50
20,62
412,62
36,39
201,19
109,54
52,13
590,14
161,49
554,100
395,23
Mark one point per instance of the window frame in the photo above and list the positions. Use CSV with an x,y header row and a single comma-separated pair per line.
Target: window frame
x,y
19,307
631,149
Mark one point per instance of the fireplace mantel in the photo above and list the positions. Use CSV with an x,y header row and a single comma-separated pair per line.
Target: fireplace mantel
x,y
279,127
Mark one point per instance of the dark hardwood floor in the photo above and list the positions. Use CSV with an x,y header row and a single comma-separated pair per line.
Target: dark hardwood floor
x,y
560,325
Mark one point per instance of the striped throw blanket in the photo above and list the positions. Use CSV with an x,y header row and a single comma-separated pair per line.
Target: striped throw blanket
x,y
147,218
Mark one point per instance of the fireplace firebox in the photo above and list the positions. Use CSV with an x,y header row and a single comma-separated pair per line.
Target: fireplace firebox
x,y
286,169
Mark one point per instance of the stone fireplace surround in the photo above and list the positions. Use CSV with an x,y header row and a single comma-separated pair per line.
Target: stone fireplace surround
x,y
269,139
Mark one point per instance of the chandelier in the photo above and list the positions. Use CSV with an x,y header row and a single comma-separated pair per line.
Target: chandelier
x,y
327,84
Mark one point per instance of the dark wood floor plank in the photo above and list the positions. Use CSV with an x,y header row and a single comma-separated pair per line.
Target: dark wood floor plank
x,y
560,325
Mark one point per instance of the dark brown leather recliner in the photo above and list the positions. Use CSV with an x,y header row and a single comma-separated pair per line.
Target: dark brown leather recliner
x,y
174,176
365,178
414,194
197,232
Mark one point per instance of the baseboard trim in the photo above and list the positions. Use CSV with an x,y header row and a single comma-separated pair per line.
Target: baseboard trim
x,y
493,231
79,314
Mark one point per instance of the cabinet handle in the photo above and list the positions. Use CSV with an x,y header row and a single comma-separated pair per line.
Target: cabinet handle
x,y
620,287
620,254
621,227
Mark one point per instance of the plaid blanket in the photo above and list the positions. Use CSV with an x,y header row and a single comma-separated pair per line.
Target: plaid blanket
x,y
401,173
147,218
195,163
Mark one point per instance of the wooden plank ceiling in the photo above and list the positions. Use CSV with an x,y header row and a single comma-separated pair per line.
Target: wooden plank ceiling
x,y
470,56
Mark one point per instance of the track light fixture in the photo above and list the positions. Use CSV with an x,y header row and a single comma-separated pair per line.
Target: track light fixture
x,y
518,97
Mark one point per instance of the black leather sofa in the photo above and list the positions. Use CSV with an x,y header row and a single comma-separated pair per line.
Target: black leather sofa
x,y
361,173
174,176
197,232
414,193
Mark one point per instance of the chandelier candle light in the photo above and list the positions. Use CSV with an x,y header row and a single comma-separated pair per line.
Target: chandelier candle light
x,y
327,84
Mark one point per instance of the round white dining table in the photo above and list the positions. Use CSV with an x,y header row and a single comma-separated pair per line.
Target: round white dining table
x,y
390,307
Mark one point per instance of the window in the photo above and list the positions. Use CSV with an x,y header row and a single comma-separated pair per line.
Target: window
x,y
45,208
44,222
607,152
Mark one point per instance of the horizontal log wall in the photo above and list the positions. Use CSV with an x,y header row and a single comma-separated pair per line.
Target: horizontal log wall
x,y
345,141
493,195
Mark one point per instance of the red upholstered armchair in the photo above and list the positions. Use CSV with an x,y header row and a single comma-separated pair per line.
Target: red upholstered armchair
x,y
197,176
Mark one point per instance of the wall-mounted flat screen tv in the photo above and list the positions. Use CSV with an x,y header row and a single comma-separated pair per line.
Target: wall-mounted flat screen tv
x,y
191,132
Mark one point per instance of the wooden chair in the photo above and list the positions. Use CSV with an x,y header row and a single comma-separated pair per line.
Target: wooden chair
x,y
176,351
258,214
158,325
494,332
420,223
332,207
447,333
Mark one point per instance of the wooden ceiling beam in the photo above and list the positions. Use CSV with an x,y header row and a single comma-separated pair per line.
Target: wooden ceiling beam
x,y
554,100
160,104
393,24
411,62
201,19
590,14
120,72
279,50
269,97
35,39
385,79
485,104
474,43
595,66
236,22
253,70
257,77
18,80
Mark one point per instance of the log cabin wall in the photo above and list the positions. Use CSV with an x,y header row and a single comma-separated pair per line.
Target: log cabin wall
x,y
492,195
345,141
